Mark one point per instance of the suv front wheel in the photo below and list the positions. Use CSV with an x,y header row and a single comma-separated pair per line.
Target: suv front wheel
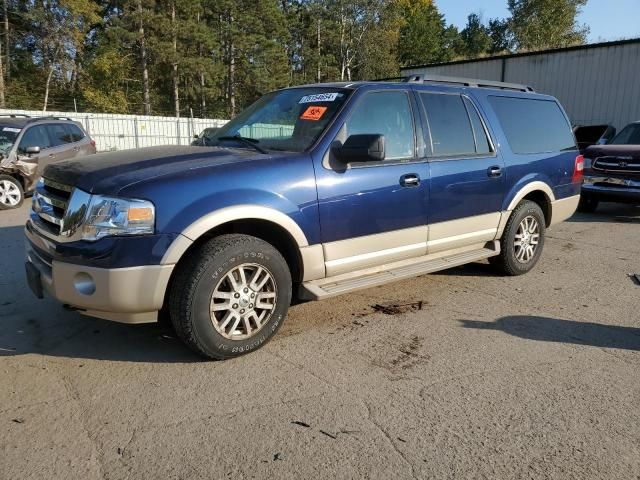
x,y
230,296
522,241
11,192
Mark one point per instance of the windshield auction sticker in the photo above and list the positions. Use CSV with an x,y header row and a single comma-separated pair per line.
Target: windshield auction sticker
x,y
313,113
319,97
9,129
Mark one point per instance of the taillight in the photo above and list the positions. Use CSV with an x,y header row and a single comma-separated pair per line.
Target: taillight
x,y
93,144
578,170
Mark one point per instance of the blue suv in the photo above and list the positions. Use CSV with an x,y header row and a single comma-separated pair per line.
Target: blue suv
x,y
313,191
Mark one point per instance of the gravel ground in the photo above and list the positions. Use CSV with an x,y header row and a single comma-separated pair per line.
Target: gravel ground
x,y
461,374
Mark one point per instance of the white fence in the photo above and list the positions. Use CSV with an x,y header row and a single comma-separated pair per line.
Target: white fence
x,y
120,132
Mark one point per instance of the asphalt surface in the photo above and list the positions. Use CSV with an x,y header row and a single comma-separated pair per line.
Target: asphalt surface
x,y
461,374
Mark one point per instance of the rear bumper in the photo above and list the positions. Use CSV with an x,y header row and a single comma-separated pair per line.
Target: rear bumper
x,y
128,295
563,209
612,189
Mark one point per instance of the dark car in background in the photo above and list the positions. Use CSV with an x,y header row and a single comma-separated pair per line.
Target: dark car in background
x,y
28,145
587,135
205,137
612,171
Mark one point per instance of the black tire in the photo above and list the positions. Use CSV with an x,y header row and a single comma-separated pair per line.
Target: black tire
x,y
11,193
507,262
207,270
588,203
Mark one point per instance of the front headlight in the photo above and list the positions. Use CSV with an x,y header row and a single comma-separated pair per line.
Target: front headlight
x,y
118,216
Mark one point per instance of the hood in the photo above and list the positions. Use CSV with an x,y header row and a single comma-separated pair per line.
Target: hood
x,y
111,171
595,151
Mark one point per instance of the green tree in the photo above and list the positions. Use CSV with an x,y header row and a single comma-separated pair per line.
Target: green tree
x,y
540,24
475,37
501,36
423,36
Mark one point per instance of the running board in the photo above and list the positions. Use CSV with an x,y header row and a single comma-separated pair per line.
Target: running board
x,y
372,277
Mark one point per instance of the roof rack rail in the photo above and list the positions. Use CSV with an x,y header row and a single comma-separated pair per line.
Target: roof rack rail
x,y
467,82
15,115
53,117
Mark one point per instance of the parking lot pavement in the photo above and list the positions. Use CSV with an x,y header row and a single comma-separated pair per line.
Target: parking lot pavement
x,y
461,374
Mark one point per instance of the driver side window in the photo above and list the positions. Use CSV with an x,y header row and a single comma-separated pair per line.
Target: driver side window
x,y
35,136
388,114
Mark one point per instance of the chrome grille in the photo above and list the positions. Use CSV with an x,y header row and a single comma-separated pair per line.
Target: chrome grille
x,y
50,202
617,164
59,210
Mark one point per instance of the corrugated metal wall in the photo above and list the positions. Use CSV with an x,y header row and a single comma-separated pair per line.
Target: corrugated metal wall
x,y
598,84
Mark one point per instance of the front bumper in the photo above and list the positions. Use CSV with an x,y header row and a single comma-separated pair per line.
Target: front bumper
x,y
128,295
612,188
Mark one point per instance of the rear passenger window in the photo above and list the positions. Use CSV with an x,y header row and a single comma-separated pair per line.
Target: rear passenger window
x,y
75,133
59,134
533,126
482,140
451,133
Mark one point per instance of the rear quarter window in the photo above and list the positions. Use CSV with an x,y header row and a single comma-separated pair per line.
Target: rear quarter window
x,y
532,125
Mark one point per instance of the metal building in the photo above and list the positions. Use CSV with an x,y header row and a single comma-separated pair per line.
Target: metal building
x,y
597,83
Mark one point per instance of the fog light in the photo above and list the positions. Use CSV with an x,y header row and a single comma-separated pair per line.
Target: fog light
x,y
84,284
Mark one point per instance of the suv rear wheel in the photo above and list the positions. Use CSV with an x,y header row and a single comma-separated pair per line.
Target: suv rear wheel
x,y
11,192
230,296
522,241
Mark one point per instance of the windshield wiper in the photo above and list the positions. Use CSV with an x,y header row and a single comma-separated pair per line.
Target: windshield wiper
x,y
251,142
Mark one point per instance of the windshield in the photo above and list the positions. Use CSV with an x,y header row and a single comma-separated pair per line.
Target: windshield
x,y
630,135
287,120
8,137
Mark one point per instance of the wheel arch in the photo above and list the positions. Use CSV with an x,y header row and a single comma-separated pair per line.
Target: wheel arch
x,y
538,192
268,224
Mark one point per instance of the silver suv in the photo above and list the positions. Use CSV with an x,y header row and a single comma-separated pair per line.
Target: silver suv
x,y
27,145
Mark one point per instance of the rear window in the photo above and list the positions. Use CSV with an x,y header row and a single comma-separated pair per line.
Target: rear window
x,y
533,126
59,134
451,132
75,133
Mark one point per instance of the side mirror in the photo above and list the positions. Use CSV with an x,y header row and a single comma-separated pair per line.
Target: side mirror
x,y
361,148
32,150
195,135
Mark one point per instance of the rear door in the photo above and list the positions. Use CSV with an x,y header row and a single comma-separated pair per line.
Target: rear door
x,y
61,142
467,174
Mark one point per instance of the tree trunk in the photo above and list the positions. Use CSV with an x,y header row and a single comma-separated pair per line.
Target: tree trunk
x,y
46,89
143,60
319,73
174,67
232,71
7,42
203,98
2,104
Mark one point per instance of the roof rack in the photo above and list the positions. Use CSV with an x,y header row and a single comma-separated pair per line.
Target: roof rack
x,y
14,115
52,117
467,82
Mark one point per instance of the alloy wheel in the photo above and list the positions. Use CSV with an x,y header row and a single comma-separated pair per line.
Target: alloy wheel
x,y
9,193
527,239
243,301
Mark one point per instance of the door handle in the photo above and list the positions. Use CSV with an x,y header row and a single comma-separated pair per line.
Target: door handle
x,y
51,155
494,171
410,180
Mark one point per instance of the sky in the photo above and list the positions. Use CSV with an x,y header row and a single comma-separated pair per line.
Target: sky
x,y
608,19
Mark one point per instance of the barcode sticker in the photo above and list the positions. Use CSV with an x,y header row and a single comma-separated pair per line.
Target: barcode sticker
x,y
319,97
